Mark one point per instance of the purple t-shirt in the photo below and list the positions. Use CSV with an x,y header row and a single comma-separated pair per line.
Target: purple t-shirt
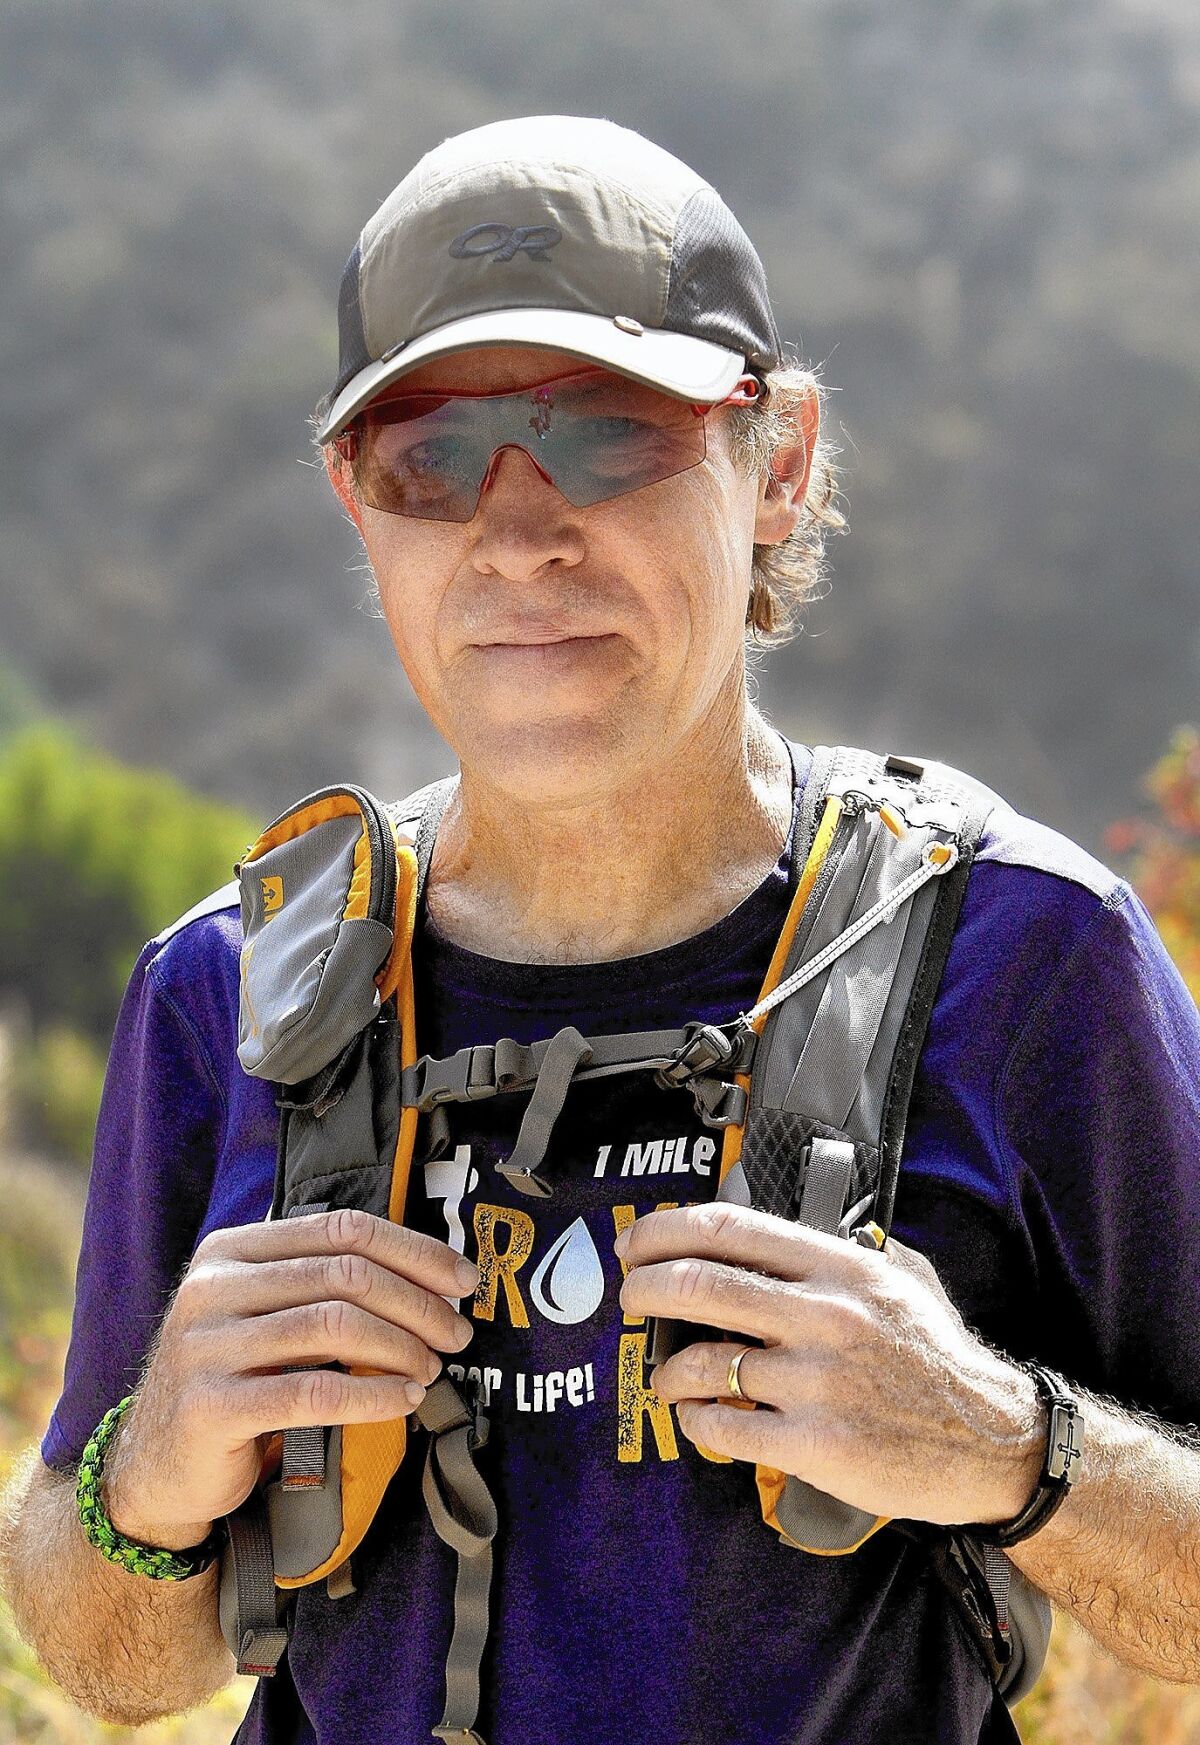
x,y
1051,1172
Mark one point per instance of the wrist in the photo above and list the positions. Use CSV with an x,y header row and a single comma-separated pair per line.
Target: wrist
x,y
121,1493
1060,1439
174,1536
1014,1479
152,1554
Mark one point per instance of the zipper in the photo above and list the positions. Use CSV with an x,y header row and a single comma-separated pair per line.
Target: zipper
x,y
381,842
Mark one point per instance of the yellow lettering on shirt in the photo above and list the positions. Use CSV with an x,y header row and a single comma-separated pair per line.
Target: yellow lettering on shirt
x,y
635,1401
495,1268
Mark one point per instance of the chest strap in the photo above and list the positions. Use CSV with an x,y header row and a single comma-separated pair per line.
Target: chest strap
x,y
687,1057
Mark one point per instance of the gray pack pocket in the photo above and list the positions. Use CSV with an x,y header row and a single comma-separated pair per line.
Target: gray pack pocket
x,y
317,921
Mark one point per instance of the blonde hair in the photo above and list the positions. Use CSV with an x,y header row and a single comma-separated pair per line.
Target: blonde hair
x,y
787,575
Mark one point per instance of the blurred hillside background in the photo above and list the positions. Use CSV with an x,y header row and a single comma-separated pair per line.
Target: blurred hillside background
x,y
980,219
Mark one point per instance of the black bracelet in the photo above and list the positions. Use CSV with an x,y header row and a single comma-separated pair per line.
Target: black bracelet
x,y
1064,1446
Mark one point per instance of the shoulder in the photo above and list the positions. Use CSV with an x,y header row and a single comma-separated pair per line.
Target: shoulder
x,y
1029,878
1060,947
192,963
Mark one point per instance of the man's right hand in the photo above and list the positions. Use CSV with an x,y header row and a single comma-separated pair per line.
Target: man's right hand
x,y
328,1287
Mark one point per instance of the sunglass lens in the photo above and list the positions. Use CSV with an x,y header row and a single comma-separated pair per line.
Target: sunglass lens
x,y
597,437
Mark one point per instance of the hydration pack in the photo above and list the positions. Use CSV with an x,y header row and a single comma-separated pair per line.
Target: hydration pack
x,y
810,1090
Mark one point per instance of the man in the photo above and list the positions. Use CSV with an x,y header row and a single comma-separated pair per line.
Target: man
x,y
615,856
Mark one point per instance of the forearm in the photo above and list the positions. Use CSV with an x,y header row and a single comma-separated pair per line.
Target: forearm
x,y
124,1648
1122,1553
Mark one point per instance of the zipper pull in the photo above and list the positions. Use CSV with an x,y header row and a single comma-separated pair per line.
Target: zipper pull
x,y
893,819
855,801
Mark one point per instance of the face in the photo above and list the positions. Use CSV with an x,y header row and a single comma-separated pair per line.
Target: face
x,y
560,651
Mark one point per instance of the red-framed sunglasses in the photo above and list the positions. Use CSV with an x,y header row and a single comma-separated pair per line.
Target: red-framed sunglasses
x,y
593,434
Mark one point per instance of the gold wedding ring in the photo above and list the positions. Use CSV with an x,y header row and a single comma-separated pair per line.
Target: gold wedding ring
x,y
733,1386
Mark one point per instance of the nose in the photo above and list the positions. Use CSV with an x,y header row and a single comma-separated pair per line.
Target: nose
x,y
493,466
524,531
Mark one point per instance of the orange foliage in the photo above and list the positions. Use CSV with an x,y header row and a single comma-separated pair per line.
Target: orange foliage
x,y
1164,851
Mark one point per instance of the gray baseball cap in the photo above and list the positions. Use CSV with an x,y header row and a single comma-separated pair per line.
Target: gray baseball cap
x,y
566,231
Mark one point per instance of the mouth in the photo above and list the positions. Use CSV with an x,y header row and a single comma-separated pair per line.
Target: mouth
x,y
541,638
542,654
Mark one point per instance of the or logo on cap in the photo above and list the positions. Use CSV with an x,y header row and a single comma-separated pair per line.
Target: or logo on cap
x,y
272,890
534,239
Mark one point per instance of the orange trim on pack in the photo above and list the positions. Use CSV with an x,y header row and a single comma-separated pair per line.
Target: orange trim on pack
x,y
769,1479
371,1453
770,1490
731,1148
390,974
287,830
358,900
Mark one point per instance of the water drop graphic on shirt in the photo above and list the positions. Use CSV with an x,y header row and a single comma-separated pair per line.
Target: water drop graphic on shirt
x,y
569,1282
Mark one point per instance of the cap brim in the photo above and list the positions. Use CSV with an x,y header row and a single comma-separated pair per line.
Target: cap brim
x,y
692,369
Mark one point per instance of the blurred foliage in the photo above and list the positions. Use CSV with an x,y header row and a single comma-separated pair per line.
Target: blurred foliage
x,y
18,706
95,859
54,1085
39,1244
1165,851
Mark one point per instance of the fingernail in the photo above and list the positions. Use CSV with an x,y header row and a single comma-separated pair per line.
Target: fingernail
x,y
414,1393
467,1275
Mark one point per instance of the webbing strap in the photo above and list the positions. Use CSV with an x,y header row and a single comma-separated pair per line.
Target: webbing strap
x,y
303,1465
826,1182
255,1629
998,1571
492,1068
463,1513
567,1051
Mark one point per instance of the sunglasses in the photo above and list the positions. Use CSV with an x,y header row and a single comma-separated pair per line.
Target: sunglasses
x,y
592,434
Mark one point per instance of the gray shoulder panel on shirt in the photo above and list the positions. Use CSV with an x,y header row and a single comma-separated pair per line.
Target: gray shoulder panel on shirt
x,y
227,897
1012,839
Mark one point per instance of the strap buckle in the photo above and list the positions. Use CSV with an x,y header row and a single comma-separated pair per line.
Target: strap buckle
x,y
708,1050
473,1389
465,1077
707,1046
719,1104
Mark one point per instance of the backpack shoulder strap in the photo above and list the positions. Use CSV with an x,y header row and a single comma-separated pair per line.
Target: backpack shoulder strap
x,y
328,898
831,1087
420,815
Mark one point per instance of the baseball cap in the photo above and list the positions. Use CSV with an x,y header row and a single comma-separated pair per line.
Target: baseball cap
x,y
566,231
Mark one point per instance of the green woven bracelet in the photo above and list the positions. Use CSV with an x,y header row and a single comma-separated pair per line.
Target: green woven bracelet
x,y
151,1560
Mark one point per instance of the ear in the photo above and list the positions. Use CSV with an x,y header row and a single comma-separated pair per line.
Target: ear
x,y
338,474
782,491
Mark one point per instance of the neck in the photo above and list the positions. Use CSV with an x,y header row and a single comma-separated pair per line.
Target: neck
x,y
698,829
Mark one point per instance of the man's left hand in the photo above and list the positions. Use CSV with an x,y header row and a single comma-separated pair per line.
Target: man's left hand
x,y
868,1383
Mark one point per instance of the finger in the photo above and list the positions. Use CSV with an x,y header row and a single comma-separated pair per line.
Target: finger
x,y
331,1332
244,1407
718,1230
347,1230
701,1372
731,1429
326,1279
715,1295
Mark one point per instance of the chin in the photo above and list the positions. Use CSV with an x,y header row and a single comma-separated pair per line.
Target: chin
x,y
557,755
